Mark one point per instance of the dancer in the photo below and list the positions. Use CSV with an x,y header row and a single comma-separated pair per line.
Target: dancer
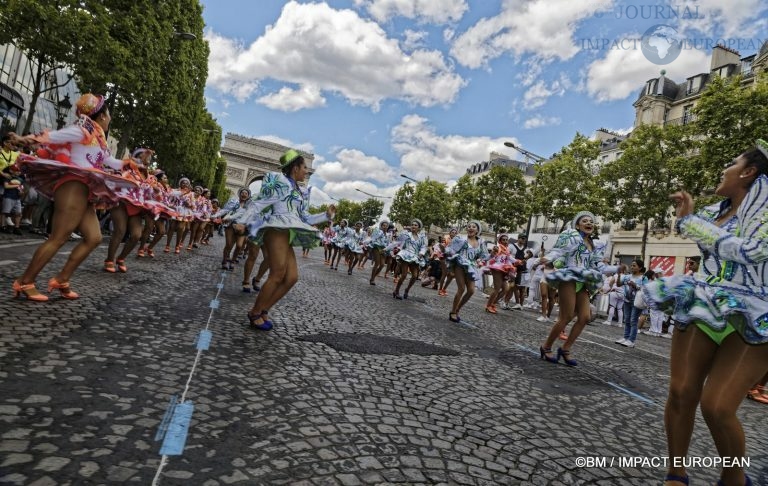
x,y
279,219
410,258
463,256
163,223
232,217
502,268
447,276
720,348
343,232
578,263
379,241
76,180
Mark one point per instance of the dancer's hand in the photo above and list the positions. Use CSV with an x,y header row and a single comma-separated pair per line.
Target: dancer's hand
x,y
683,203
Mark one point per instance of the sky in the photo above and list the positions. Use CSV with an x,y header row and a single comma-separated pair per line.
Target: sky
x,y
427,88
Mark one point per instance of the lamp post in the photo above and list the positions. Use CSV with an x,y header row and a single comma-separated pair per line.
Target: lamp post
x,y
62,110
410,178
373,195
185,35
538,159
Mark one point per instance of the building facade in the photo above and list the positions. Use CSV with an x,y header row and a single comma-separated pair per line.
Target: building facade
x,y
663,102
54,108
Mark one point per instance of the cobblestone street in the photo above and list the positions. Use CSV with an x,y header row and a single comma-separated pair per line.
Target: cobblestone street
x,y
351,387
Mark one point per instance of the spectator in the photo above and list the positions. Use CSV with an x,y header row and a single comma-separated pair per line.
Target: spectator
x,y
13,186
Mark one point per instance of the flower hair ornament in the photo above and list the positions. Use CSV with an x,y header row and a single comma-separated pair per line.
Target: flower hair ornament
x,y
762,146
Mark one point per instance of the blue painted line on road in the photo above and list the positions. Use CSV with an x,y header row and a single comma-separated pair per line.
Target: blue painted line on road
x,y
632,394
204,340
163,428
214,304
525,348
173,445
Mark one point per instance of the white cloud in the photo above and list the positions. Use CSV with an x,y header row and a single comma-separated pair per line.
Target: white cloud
x,y
623,72
288,99
735,18
537,95
544,28
541,121
424,153
333,51
413,39
423,11
353,164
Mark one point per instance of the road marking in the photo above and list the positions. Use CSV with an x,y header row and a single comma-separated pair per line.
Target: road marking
x,y
7,262
603,345
632,394
21,243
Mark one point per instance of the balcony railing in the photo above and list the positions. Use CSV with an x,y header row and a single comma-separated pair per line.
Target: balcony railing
x,y
682,120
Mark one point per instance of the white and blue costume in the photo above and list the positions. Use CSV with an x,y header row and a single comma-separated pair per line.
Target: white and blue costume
x,y
732,289
283,205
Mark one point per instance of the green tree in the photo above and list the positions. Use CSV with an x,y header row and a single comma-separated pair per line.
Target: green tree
x,y
654,162
465,196
53,35
502,198
401,210
431,203
729,118
566,184
371,210
349,210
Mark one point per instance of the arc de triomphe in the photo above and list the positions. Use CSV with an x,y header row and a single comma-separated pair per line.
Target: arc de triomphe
x,y
249,159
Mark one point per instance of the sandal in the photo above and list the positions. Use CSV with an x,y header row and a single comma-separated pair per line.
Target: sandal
x,y
246,287
29,291
676,478
151,252
140,254
454,319
167,249
109,266
63,288
747,481
121,265
255,284
264,325
564,353
545,352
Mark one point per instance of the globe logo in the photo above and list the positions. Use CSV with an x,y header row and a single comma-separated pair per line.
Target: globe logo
x,y
661,44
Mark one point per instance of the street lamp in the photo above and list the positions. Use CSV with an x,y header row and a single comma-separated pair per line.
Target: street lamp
x,y
62,110
538,159
185,36
372,195
410,178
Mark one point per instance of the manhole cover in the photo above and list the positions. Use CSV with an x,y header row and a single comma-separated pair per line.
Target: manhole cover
x,y
372,344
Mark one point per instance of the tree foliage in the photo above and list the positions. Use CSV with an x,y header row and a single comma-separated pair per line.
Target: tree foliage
x,y
567,184
729,118
52,34
502,198
654,163
401,210
465,199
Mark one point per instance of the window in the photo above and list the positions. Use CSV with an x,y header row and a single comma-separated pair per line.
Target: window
x,y
651,87
694,84
746,66
687,115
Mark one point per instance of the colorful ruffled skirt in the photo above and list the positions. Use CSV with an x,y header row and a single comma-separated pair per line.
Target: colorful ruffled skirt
x,y
409,256
45,175
584,277
688,300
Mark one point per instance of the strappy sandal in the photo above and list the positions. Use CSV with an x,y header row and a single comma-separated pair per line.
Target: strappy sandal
x,y
27,290
545,352
151,252
564,353
246,287
167,249
121,265
109,266
63,288
255,284
454,319
264,325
